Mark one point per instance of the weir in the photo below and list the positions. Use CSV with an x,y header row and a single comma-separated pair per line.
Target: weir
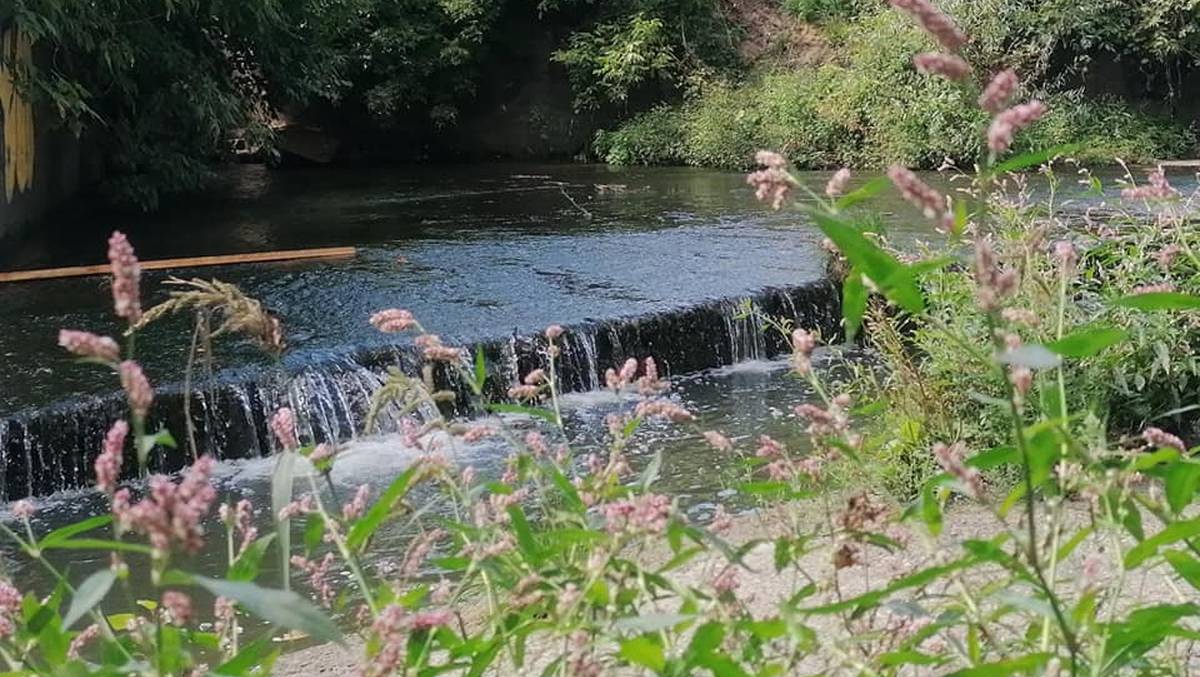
x,y
53,448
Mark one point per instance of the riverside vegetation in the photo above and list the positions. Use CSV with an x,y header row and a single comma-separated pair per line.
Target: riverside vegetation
x,y
987,398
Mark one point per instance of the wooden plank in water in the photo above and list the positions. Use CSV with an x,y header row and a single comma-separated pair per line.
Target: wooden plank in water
x,y
190,262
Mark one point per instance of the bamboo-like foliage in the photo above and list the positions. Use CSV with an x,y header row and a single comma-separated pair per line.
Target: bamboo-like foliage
x,y
16,114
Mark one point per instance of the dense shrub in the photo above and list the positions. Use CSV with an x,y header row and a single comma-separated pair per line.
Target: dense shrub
x,y
870,107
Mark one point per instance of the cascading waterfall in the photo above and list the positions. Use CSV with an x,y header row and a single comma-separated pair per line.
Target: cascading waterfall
x,y
54,448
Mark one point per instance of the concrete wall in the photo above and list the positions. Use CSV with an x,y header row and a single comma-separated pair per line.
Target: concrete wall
x,y
57,176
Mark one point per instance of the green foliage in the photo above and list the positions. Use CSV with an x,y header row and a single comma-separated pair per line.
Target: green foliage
x,y
869,107
824,10
637,45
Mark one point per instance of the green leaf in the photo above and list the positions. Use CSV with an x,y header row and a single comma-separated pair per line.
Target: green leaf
x,y
538,412
260,652
1088,342
1031,355
1172,533
284,608
282,480
1022,665
245,567
892,277
89,593
98,544
1185,565
854,303
480,369
863,193
1143,630
871,599
1181,482
650,622
146,444
645,652
64,533
525,540
650,474
994,458
366,526
707,639
1035,158
1162,300
569,493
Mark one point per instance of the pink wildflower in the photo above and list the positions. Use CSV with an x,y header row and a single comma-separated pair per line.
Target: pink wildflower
x,y
303,506
773,182
1011,121
171,513
1157,188
649,384
769,449
1022,316
241,519
127,274
393,320
356,507
718,441
321,453
946,65
10,606
803,344
283,425
430,619
537,444
934,21
318,577
178,607
1021,379
23,509
726,582
478,432
524,392
390,628
225,614
996,95
468,476
108,463
1067,256
722,521
554,331
992,284
87,344
1159,288
931,203
435,351
418,551
838,183
950,457
648,513
1166,257
80,642
1157,437
663,409
137,388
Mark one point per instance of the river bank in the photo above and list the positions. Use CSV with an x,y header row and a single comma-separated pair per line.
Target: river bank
x,y
762,591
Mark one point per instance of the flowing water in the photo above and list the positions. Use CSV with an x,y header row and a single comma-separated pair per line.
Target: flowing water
x,y
665,262
744,401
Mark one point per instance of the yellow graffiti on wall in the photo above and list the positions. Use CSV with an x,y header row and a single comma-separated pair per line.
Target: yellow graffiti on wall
x,y
16,115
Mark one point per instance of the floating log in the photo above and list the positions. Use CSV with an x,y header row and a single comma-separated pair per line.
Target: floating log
x,y
190,262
